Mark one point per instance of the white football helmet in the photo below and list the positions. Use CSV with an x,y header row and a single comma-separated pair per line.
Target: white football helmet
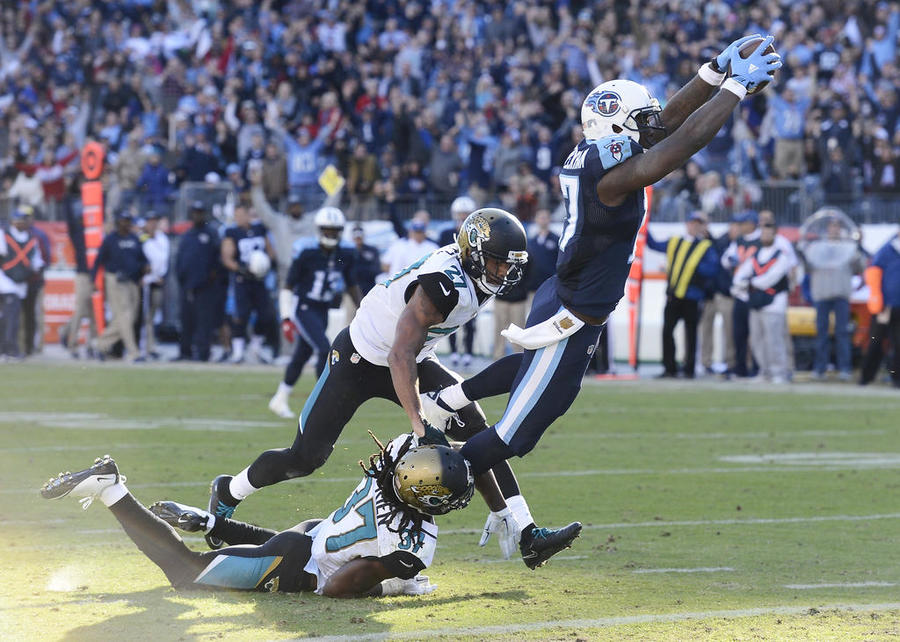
x,y
463,204
330,221
622,106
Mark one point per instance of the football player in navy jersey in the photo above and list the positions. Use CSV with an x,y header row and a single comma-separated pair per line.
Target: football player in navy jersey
x,y
318,278
240,242
629,144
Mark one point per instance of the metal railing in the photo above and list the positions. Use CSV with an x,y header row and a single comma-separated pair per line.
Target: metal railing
x,y
791,201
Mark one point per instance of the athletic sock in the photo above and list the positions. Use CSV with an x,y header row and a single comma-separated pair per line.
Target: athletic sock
x,y
240,486
237,348
454,397
284,390
521,512
111,494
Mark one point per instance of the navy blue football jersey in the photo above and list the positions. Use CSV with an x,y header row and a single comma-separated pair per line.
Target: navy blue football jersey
x,y
597,242
247,241
321,277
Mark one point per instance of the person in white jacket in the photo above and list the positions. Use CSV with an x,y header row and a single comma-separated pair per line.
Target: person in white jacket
x,y
762,281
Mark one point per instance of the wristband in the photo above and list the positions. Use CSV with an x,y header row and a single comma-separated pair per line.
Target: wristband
x,y
735,87
710,76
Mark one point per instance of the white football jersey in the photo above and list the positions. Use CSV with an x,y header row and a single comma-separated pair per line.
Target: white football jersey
x,y
449,287
353,531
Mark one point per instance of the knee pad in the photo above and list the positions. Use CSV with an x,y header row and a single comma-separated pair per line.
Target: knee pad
x,y
308,460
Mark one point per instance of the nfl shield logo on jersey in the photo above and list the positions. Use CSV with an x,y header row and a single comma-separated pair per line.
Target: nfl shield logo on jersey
x,y
605,103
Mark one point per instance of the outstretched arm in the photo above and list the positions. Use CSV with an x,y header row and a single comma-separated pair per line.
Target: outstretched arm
x,y
412,329
700,88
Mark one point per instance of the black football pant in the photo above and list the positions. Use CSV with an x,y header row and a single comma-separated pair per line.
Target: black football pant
x,y
347,382
198,310
273,561
677,310
251,296
878,332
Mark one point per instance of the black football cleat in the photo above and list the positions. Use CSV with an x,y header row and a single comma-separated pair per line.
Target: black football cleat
x,y
85,484
181,516
540,544
221,504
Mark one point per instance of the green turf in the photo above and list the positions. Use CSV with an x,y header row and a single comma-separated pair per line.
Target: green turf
x,y
666,478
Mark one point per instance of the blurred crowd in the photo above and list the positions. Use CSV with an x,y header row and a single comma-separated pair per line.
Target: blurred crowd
x,y
419,102
416,104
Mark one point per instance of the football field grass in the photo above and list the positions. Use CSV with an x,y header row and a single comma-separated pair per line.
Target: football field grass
x,y
711,511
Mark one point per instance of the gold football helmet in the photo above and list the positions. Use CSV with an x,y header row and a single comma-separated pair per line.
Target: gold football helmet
x,y
433,480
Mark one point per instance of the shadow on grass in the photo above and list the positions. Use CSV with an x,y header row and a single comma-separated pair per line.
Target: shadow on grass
x,y
166,614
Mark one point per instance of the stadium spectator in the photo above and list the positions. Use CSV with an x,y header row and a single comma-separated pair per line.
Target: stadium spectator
x,y
199,273
883,279
736,254
32,327
83,305
761,281
721,304
831,263
543,246
154,184
240,242
406,251
124,264
368,262
361,175
155,243
460,208
287,228
691,266
274,174
20,259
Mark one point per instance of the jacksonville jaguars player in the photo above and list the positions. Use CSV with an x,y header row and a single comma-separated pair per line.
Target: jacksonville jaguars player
x,y
316,281
377,543
629,144
388,352
240,241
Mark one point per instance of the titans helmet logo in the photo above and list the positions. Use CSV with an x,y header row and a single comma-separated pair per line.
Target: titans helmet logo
x,y
605,103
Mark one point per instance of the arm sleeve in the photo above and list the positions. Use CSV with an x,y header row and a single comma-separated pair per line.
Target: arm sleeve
x,y
440,290
657,246
265,211
294,273
402,564
351,263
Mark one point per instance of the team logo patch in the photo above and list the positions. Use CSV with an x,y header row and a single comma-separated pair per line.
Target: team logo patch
x,y
272,585
335,357
432,494
478,230
605,103
615,149
354,358
590,349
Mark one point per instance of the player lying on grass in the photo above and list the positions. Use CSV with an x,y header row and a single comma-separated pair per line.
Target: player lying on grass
x,y
375,544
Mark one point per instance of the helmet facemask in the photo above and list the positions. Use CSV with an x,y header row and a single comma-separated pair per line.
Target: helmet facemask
x,y
329,237
492,282
646,122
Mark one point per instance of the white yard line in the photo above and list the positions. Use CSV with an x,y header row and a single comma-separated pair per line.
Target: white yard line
x,y
589,527
606,622
803,587
702,569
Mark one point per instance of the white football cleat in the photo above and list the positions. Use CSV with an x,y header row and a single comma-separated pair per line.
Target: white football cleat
x,y
85,484
279,405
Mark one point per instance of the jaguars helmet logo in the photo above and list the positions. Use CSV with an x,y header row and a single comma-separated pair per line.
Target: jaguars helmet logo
x,y
433,480
477,231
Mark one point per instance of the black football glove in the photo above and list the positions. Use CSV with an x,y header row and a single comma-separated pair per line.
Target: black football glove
x,y
433,436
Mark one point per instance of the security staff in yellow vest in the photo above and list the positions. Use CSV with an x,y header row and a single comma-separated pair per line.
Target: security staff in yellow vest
x,y
692,263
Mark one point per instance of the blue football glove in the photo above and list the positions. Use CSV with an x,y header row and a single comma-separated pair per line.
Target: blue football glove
x,y
720,62
756,68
